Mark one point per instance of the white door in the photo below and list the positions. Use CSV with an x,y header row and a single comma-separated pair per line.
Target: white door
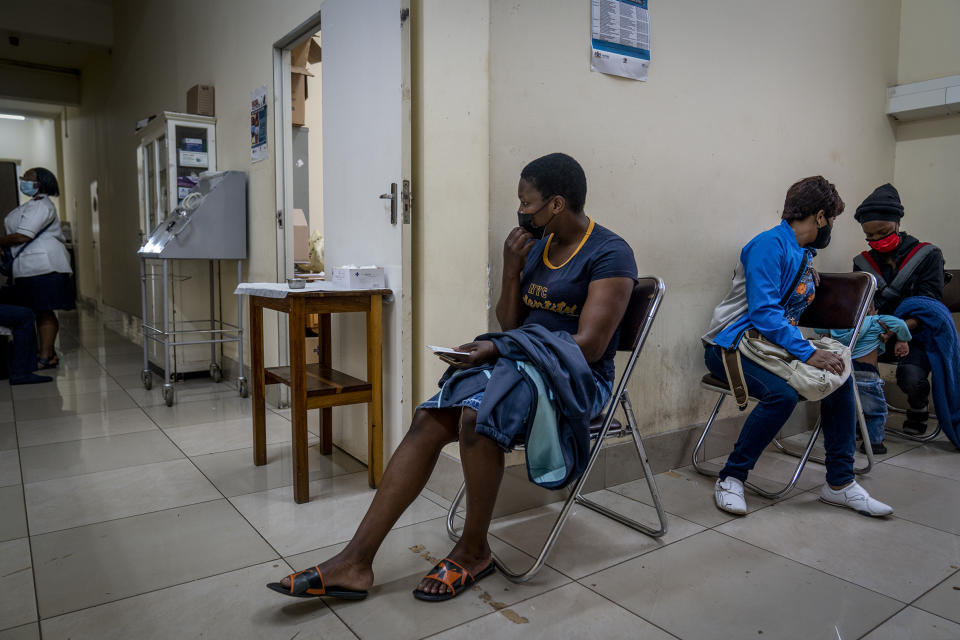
x,y
366,135
95,239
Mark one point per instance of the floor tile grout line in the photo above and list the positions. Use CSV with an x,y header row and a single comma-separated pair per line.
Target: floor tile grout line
x,y
818,570
615,603
26,521
163,588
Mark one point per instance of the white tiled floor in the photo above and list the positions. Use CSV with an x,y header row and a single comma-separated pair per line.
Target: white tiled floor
x,y
123,518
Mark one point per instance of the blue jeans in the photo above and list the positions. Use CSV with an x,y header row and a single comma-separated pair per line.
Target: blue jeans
x,y
872,400
777,401
21,323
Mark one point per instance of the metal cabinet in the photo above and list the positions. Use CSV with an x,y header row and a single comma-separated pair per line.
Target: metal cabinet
x,y
173,151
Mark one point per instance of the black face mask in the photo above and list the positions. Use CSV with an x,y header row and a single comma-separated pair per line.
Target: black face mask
x,y
525,220
823,237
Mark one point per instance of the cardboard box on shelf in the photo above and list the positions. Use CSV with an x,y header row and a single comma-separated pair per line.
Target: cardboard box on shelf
x,y
358,277
298,99
308,52
200,100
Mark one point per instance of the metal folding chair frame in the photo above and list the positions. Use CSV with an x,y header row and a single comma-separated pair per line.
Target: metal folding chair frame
x,y
622,399
806,453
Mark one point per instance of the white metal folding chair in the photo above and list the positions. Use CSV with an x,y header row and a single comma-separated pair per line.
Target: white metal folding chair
x,y
636,323
841,303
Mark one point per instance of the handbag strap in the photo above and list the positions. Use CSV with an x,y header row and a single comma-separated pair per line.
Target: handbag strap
x,y
27,243
733,367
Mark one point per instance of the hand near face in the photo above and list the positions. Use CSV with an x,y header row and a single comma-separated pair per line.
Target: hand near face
x,y
515,250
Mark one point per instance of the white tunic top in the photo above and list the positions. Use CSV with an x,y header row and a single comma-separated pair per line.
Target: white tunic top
x,y
47,253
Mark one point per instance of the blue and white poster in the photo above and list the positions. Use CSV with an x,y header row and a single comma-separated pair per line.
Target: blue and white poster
x,y
620,38
258,124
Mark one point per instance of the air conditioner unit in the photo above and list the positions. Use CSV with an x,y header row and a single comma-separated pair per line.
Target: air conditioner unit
x,y
927,99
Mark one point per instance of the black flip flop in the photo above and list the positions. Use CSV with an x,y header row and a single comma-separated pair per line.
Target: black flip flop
x,y
309,584
456,578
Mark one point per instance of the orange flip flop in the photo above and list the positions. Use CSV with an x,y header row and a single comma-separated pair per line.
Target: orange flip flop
x,y
456,578
309,584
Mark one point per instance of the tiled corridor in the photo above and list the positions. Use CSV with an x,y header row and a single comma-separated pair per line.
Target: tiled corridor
x,y
123,518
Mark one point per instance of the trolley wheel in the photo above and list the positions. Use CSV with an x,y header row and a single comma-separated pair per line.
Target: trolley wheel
x,y
147,379
215,372
168,395
243,387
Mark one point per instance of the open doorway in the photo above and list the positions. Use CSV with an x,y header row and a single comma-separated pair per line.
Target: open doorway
x,y
357,117
306,125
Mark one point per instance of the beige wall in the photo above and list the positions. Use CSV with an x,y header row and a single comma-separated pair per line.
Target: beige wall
x,y
929,43
928,151
450,56
743,99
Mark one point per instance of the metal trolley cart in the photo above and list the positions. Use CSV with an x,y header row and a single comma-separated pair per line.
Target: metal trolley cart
x,y
210,224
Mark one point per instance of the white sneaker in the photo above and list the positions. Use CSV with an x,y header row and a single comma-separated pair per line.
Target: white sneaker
x,y
729,496
855,497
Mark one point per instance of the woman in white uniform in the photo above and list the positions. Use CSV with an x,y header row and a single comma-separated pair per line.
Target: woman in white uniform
x,y
41,266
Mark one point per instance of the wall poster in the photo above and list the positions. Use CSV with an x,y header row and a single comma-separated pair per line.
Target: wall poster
x,y
620,35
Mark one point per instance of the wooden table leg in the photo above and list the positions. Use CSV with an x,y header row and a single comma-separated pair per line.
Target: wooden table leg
x,y
298,399
258,387
375,377
326,415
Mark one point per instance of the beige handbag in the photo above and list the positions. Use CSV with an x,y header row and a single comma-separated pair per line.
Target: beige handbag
x,y
812,383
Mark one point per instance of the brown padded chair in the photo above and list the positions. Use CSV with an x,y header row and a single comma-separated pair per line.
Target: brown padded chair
x,y
637,320
841,302
951,299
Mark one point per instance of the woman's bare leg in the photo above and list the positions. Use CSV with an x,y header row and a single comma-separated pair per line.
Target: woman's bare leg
x,y
406,474
47,328
482,462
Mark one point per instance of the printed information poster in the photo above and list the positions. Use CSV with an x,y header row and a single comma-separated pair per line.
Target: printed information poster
x,y
621,38
258,124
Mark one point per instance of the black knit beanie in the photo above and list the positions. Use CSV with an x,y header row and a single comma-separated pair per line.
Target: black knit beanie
x,y
882,204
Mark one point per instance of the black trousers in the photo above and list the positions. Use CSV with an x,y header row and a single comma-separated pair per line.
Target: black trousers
x,y
913,376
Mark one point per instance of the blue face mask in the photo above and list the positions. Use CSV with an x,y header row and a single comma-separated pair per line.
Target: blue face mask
x,y
28,188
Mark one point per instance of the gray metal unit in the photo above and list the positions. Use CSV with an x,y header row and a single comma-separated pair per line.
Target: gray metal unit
x,y
210,223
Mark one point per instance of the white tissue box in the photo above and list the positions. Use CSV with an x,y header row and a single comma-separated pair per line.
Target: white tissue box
x,y
358,277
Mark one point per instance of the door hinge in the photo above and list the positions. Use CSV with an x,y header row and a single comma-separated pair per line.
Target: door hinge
x,y
280,218
404,14
406,196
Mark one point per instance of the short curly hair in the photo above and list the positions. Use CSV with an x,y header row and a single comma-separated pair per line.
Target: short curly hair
x,y
557,174
808,196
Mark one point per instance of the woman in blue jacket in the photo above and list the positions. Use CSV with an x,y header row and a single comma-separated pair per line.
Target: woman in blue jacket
x,y
772,285
561,271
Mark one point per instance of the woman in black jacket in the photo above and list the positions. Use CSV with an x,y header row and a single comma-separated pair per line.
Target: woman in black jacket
x,y
904,267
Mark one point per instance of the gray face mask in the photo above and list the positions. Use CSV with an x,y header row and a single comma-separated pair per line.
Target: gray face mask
x,y
525,220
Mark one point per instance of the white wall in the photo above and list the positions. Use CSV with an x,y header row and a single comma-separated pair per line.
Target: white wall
x,y
31,143
743,99
928,151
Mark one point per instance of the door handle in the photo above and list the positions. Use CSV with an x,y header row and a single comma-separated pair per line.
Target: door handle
x,y
392,197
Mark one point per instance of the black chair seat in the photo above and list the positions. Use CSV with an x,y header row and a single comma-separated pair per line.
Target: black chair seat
x,y
711,380
597,424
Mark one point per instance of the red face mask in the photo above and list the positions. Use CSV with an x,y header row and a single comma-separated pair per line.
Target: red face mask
x,y
886,244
